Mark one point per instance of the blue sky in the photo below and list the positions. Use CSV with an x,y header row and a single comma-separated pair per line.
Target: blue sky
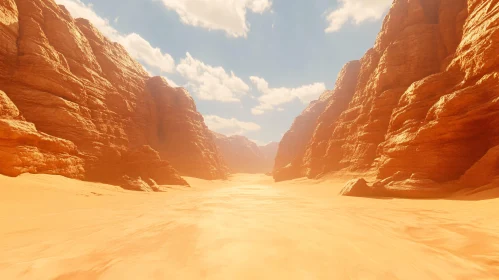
x,y
251,65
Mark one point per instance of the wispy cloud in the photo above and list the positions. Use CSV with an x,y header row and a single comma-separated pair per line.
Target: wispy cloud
x,y
357,11
273,97
226,15
211,83
230,126
138,47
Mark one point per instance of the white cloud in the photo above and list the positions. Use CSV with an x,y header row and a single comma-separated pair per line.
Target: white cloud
x,y
226,15
356,10
116,19
142,50
211,83
137,46
273,97
79,10
229,126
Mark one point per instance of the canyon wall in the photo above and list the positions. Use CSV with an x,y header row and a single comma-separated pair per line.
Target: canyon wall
x,y
72,85
243,155
421,111
293,153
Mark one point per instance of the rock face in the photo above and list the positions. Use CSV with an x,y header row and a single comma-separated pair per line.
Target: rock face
x,y
24,149
183,137
78,87
306,142
244,156
425,105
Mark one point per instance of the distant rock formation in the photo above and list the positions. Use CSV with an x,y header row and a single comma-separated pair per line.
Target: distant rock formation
x,y
423,109
86,93
244,156
269,152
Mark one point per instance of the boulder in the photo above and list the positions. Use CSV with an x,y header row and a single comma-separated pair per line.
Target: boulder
x,y
357,187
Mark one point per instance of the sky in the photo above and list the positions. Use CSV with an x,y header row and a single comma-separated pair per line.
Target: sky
x,y
251,66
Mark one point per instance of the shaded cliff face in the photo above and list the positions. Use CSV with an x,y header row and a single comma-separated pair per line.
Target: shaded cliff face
x,y
183,137
424,110
74,84
314,127
244,156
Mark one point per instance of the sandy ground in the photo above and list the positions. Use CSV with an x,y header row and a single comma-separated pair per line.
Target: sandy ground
x,y
245,228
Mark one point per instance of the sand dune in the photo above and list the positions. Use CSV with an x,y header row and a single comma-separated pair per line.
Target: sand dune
x,y
244,228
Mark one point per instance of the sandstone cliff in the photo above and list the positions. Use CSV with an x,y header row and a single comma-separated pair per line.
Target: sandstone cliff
x,y
87,93
293,153
424,105
24,149
183,137
244,156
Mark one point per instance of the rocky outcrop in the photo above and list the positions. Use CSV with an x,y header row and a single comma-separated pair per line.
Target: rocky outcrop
x,y
445,123
357,187
23,149
244,156
139,169
425,108
74,84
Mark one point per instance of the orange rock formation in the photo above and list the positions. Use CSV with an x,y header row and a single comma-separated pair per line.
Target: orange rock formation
x,y
423,110
243,155
23,149
92,102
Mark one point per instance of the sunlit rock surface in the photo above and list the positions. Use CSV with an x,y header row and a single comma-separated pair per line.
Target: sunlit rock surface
x,y
77,86
23,149
424,112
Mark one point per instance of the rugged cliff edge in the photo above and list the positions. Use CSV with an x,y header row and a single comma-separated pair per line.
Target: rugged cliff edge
x,y
243,155
88,109
422,109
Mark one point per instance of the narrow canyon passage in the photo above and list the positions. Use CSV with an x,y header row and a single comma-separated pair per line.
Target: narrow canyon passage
x,y
245,228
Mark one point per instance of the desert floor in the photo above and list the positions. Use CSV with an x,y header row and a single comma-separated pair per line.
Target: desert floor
x,y
245,228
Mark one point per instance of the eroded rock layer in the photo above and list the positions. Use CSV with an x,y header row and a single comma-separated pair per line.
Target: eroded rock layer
x,y
80,88
425,108
23,149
